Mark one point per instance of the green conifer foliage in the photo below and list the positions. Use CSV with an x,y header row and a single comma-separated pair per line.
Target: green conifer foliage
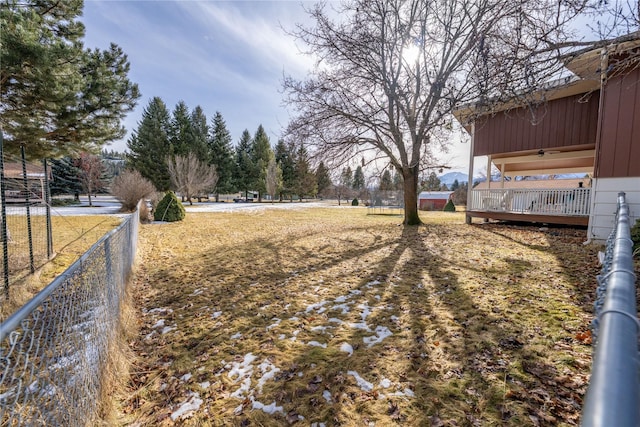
x,y
169,209
449,207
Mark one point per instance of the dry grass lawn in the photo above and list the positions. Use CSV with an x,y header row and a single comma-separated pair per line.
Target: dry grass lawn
x,y
326,317
72,236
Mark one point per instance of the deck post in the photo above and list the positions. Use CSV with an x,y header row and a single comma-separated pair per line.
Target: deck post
x,y
470,178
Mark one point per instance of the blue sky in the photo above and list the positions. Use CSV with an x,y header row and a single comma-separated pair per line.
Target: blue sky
x,y
226,56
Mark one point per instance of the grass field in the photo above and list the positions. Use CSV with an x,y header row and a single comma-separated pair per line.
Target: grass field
x,y
328,317
72,236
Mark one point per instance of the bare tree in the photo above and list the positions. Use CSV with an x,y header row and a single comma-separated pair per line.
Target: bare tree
x,y
91,174
389,73
191,177
130,187
273,178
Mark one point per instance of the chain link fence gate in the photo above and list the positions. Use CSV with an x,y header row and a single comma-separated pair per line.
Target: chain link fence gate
x,y
25,217
53,350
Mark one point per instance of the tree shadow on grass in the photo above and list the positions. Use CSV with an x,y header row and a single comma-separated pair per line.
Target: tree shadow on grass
x,y
459,344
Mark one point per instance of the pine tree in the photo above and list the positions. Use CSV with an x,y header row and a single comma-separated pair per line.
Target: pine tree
x,y
199,131
431,184
65,177
260,154
244,164
285,157
180,130
306,181
386,182
149,145
58,98
358,183
455,185
221,155
323,180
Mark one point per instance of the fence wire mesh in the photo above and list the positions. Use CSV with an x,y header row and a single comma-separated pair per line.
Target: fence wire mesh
x,y
25,221
53,350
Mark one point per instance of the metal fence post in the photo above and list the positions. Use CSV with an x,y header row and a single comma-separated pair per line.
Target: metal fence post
x,y
47,204
27,203
5,235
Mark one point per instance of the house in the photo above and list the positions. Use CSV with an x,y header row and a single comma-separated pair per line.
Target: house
x,y
433,200
588,123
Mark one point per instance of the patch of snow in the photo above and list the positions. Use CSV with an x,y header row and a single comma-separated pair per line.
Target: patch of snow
x,y
158,324
168,329
160,310
319,328
360,325
294,319
316,306
216,314
197,292
186,377
327,396
377,297
362,383
409,392
300,374
340,299
385,383
269,409
344,307
316,344
318,425
336,320
281,336
191,405
347,348
355,292
245,388
275,324
236,336
373,283
382,332
268,370
264,307
286,307
394,318
205,384
242,369
366,311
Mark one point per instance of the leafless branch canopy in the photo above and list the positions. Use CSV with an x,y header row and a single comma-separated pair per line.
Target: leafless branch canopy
x,y
191,177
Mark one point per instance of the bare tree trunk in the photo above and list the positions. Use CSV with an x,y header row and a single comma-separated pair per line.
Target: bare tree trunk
x,y
411,196
89,195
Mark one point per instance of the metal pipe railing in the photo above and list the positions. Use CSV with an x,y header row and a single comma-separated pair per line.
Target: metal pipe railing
x,y
613,395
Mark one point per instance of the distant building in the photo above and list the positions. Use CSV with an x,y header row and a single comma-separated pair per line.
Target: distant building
x,y
433,200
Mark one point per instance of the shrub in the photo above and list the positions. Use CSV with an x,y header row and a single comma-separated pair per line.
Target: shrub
x,y
354,202
130,187
449,207
635,236
169,209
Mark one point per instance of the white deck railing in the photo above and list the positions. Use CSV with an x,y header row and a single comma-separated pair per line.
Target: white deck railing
x,y
562,202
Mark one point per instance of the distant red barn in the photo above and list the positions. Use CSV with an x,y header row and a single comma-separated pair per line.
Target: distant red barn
x,y
433,200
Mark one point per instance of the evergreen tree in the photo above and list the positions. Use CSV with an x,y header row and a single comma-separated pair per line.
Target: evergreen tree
x,y
149,145
305,179
180,130
199,131
386,182
285,157
65,177
323,180
346,178
244,163
432,183
397,181
455,185
358,183
260,154
221,155
273,178
58,98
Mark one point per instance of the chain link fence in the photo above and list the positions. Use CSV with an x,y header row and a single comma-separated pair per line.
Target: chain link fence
x,y
25,217
614,389
53,350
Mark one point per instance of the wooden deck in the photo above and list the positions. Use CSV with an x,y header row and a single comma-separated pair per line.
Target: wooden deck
x,y
530,217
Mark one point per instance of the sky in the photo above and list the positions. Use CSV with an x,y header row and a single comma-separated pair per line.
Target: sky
x,y
226,56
